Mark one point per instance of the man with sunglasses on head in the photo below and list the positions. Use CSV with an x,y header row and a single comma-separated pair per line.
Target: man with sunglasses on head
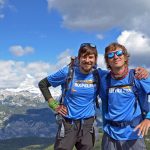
x,y
124,125
77,112
78,108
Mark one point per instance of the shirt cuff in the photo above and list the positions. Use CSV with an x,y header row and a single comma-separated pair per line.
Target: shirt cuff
x,y
147,115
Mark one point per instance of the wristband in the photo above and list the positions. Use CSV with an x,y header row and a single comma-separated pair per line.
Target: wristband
x,y
53,104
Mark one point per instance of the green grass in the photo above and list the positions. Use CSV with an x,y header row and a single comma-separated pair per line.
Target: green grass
x,y
98,143
37,143
27,143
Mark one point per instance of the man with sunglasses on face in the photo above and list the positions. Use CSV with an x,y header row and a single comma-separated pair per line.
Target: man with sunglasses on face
x,y
124,125
78,108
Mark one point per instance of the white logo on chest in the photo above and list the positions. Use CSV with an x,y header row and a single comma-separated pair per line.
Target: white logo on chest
x,y
126,89
84,85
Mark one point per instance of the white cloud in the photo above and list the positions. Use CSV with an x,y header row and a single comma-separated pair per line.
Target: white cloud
x,y
2,5
103,14
138,46
17,71
49,3
6,4
18,50
10,76
64,58
100,36
101,61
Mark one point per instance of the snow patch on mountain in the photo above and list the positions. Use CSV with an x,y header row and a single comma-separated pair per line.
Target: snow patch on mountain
x,y
27,85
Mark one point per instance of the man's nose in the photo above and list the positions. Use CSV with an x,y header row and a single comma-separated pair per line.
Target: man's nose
x,y
115,56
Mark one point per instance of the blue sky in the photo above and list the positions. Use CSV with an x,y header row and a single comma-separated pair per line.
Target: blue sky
x,y
38,37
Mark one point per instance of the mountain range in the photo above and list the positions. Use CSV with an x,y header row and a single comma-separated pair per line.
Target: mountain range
x,y
25,113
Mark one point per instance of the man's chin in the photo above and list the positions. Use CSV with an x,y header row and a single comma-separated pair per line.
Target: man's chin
x,y
87,70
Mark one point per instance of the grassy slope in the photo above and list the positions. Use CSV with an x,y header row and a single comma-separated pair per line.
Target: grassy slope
x,y
36,143
28,143
98,143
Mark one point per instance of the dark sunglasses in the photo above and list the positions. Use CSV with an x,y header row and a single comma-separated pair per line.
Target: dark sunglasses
x,y
88,44
112,54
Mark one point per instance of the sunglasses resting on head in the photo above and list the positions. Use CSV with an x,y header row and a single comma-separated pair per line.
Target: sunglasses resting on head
x,y
88,44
